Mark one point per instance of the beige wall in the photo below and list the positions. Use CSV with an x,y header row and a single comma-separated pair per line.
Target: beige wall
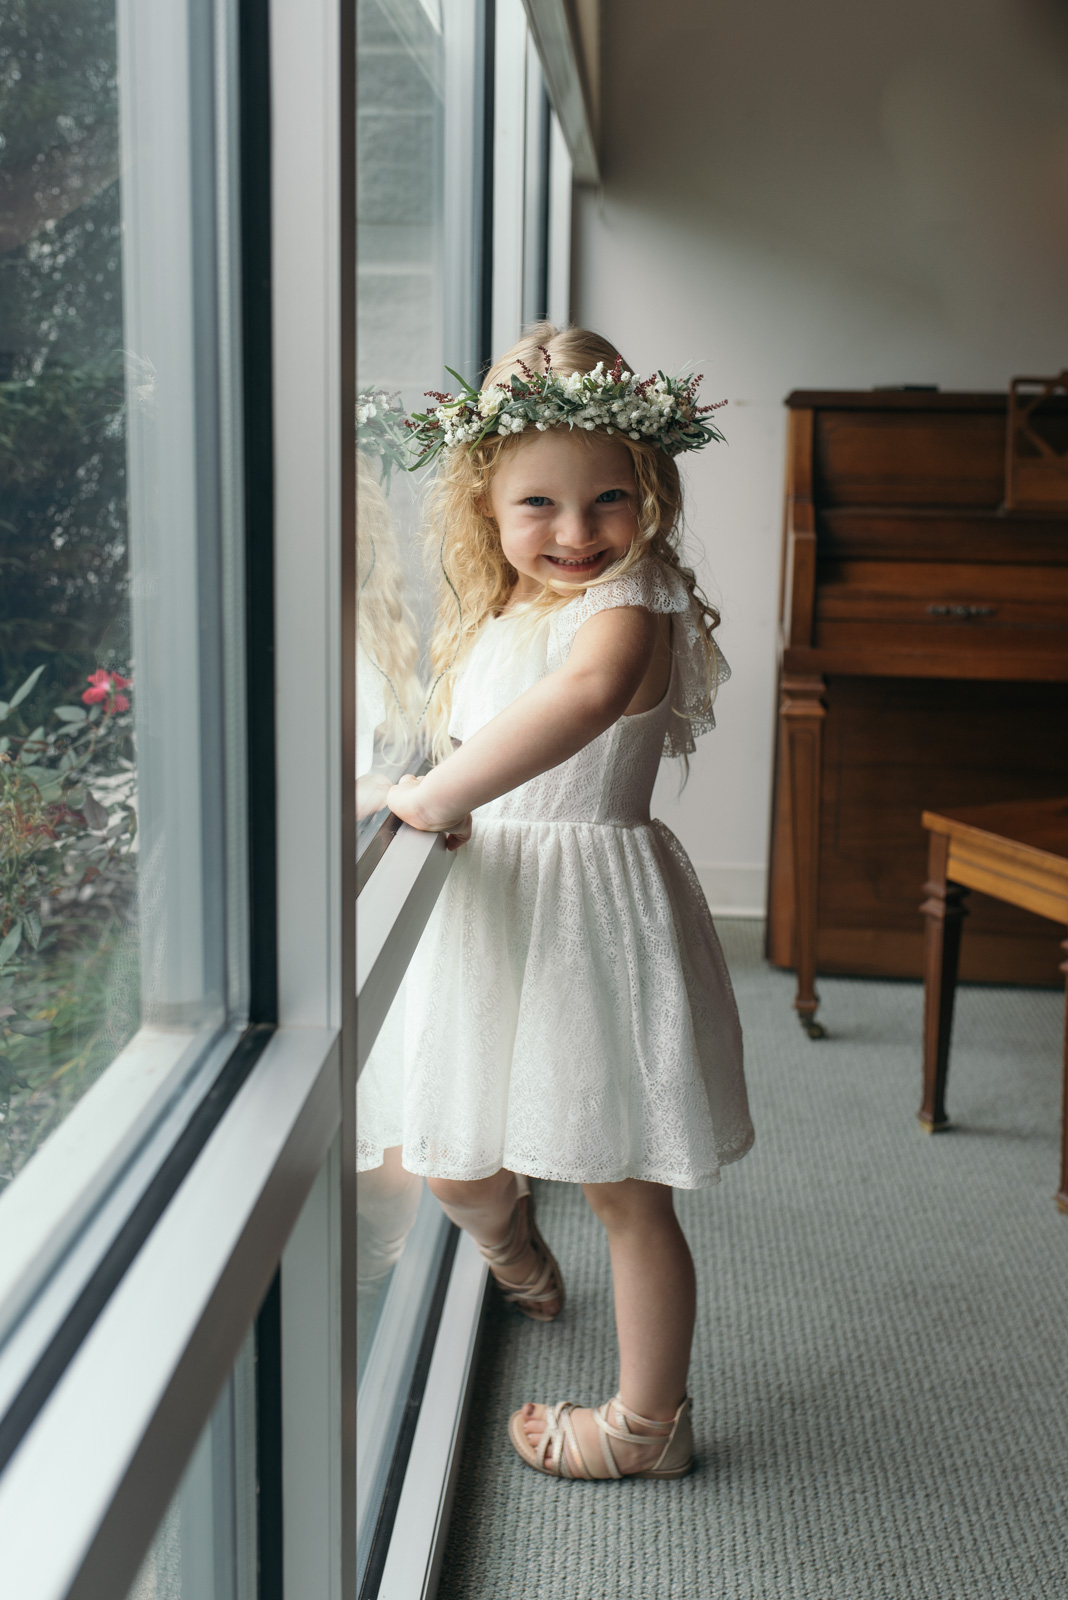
x,y
830,194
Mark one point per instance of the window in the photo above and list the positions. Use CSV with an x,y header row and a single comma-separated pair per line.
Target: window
x,y
178,555
122,937
124,962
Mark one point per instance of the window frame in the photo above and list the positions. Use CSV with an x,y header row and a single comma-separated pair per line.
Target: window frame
x,y
78,1212
261,1151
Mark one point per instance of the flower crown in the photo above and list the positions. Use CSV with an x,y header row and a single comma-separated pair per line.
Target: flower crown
x,y
661,409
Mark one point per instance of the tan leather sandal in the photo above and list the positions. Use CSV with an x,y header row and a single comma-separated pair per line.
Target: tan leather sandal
x,y
674,1460
547,1284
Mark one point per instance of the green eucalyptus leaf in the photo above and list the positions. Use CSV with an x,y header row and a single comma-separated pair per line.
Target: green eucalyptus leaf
x,y
95,814
29,1027
72,714
9,1078
24,689
10,943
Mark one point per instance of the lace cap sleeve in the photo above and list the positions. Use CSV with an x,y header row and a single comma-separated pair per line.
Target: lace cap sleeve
x,y
695,677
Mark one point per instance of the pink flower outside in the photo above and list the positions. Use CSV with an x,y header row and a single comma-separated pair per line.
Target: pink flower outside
x,y
105,691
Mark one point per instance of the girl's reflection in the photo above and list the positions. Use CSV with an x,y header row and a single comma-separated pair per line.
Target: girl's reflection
x,y
388,690
389,698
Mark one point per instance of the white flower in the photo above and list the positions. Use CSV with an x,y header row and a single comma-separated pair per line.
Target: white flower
x,y
489,402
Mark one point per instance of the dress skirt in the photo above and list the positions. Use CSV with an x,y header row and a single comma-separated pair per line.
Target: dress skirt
x,y
568,1015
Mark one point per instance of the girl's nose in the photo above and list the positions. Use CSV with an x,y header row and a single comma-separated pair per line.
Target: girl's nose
x,y
574,533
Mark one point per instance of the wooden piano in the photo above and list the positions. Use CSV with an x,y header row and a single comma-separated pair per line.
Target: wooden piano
x,y
924,665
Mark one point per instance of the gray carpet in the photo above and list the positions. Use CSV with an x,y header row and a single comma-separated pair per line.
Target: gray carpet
x,y
880,1375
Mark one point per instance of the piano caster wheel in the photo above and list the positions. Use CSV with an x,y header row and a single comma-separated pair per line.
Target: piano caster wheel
x,y
814,1029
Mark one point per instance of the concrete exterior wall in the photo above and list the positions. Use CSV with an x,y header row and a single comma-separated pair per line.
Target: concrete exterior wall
x,y
831,195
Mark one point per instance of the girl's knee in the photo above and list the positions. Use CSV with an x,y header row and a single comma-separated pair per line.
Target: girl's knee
x,y
629,1203
461,1192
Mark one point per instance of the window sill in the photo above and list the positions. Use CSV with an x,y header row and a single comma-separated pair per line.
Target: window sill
x,y
94,1473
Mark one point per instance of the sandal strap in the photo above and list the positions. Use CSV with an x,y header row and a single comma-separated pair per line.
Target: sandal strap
x,y
522,1236
623,1433
559,1433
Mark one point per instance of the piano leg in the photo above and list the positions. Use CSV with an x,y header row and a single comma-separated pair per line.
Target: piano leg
x,y
1062,1191
803,711
945,912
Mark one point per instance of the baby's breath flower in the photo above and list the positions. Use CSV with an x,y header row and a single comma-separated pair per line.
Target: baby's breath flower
x,y
658,408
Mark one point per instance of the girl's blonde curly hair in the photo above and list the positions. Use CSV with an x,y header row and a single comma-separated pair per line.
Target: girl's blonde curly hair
x,y
465,544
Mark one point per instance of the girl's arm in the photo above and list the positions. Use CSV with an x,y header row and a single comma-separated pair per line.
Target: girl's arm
x,y
548,724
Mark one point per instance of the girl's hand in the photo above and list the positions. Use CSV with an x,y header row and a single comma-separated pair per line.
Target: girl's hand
x,y
402,800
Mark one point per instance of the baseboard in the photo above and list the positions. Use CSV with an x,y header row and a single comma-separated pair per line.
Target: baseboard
x,y
733,888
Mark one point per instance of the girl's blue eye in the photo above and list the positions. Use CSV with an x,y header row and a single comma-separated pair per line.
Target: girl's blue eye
x,y
536,500
610,496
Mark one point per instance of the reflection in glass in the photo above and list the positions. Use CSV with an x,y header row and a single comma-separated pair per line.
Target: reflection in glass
x,y
389,692
69,964
401,268
417,113
205,1547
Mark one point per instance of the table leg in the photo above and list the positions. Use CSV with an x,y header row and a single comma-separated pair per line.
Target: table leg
x,y
803,712
1062,1192
945,911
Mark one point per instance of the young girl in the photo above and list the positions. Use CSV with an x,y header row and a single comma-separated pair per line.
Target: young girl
x,y
569,1015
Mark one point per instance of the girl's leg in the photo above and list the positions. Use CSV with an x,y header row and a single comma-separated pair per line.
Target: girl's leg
x,y
653,1279
483,1207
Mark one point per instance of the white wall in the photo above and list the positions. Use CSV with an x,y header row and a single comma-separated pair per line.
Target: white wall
x,y
826,195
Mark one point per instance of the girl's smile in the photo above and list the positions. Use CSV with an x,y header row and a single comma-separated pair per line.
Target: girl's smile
x,y
565,506
583,563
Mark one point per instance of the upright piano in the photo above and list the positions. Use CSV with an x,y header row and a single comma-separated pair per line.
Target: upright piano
x,y
923,665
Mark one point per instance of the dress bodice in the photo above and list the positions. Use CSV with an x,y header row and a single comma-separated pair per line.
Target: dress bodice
x,y
611,779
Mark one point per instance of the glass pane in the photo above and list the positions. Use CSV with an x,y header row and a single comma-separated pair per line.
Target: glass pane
x,y
69,956
120,740
205,1547
400,346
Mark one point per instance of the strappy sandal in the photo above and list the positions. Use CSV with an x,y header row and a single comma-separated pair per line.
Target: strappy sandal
x,y
674,1460
547,1284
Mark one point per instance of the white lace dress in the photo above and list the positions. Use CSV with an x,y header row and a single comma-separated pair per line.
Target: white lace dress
x,y
568,1012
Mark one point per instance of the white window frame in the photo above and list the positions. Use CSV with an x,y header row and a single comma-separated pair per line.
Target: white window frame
x,y
82,1494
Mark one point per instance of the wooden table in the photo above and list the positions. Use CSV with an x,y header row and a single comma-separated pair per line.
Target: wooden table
x,y
1018,853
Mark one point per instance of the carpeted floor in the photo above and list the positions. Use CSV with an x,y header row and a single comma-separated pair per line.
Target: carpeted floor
x,y
880,1372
